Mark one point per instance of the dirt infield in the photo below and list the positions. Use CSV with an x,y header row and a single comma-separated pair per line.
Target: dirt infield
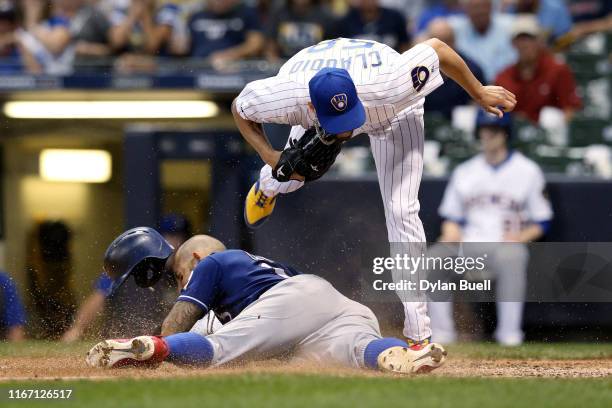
x,y
73,367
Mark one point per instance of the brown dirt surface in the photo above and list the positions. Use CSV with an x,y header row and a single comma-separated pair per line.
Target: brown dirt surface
x,y
73,367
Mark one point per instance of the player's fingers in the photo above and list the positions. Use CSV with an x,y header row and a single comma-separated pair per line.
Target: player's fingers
x,y
507,94
496,111
503,90
510,94
505,100
506,105
512,104
510,97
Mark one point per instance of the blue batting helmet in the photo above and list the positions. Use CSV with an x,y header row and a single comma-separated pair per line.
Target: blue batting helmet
x,y
141,252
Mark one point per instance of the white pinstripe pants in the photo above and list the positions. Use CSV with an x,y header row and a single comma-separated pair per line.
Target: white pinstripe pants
x,y
398,154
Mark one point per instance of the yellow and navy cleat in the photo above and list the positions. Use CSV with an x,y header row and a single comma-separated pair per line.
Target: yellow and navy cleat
x,y
424,342
257,207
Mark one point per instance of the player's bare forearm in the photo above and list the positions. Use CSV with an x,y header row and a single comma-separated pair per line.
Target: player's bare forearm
x,y
253,133
87,313
455,67
181,318
494,99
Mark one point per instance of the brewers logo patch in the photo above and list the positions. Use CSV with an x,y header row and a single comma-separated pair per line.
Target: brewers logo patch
x,y
339,102
420,76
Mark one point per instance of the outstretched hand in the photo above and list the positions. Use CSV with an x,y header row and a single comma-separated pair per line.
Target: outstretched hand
x,y
496,99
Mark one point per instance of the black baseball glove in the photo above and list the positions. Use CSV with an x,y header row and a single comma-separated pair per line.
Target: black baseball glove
x,y
311,156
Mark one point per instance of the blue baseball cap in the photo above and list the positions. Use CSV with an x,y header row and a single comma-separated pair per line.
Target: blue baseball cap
x,y
174,224
485,119
334,96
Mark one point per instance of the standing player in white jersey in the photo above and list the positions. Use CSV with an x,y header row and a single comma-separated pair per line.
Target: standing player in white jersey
x,y
349,87
496,196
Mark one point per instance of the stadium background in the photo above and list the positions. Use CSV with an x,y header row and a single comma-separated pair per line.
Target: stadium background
x,y
200,167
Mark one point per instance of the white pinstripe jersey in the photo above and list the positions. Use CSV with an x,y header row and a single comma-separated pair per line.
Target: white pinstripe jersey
x,y
387,83
490,200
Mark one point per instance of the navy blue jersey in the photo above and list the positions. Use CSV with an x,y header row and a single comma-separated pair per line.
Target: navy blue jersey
x,y
227,282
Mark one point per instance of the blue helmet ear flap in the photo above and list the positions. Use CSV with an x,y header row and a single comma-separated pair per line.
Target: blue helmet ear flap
x,y
148,272
141,252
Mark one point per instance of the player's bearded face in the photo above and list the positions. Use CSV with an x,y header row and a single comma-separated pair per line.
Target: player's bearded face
x,y
182,275
182,267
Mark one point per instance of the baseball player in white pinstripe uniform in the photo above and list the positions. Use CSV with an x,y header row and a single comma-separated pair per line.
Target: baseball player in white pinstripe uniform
x,y
345,87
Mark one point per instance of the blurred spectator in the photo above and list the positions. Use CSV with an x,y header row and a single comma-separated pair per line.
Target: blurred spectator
x,y
12,313
141,27
538,79
50,277
496,196
589,10
299,24
484,36
175,228
450,94
225,31
74,30
553,15
367,20
590,16
410,9
437,9
266,8
8,42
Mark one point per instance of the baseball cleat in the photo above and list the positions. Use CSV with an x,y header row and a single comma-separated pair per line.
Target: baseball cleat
x,y
257,207
143,351
418,359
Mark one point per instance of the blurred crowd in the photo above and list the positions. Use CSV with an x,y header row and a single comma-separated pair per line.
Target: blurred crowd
x,y
56,35
496,37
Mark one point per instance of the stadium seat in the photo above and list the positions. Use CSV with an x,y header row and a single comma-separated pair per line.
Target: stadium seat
x,y
587,131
